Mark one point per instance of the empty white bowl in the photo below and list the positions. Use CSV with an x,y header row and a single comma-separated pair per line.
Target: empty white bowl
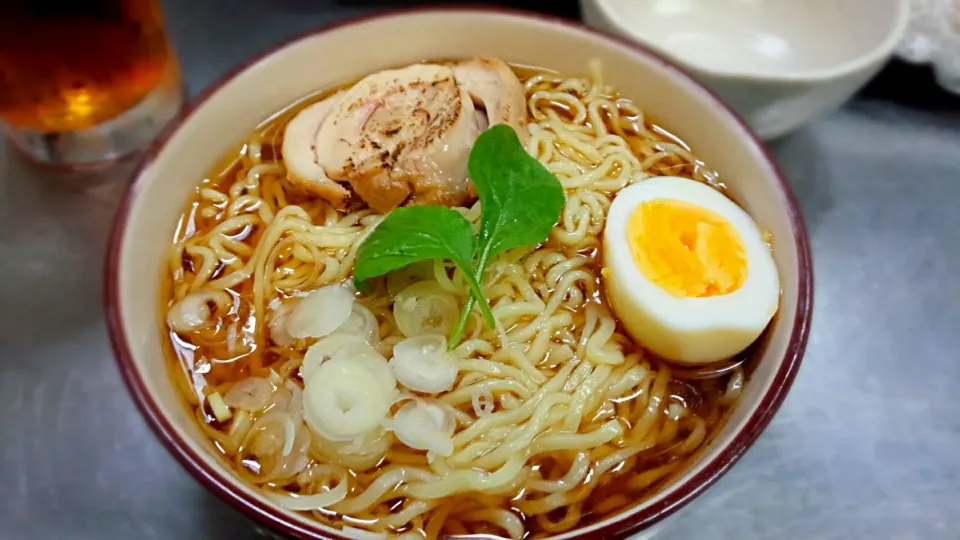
x,y
780,63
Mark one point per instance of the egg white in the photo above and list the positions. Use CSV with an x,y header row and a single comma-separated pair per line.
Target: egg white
x,y
688,330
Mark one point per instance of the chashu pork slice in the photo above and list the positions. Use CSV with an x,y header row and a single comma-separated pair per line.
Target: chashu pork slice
x,y
300,158
495,88
401,136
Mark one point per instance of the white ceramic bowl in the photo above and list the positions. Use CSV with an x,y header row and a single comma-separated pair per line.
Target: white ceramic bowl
x,y
780,63
232,107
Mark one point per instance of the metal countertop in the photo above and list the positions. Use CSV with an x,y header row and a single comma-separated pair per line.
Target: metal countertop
x,y
866,446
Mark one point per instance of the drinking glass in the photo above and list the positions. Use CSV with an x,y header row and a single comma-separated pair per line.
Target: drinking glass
x,y
85,82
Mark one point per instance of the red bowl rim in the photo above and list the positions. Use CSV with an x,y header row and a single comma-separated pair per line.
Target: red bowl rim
x,y
620,525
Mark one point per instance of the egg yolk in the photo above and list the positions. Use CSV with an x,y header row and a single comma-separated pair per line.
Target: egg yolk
x,y
686,250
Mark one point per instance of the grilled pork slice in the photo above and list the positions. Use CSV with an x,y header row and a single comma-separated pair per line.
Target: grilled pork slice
x,y
300,158
404,135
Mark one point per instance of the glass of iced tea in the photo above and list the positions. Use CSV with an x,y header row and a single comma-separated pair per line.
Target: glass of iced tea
x,y
85,82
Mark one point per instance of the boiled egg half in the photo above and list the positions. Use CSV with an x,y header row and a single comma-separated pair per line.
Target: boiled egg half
x,y
687,271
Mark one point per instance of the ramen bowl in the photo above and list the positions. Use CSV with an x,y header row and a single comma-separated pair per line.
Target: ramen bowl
x,y
221,117
780,64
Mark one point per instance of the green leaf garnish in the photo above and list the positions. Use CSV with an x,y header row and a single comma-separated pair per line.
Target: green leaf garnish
x,y
521,199
414,234
521,202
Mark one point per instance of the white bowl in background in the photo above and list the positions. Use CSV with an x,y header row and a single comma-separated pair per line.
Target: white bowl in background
x,y
780,63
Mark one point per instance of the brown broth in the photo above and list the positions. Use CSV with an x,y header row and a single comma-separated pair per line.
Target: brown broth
x,y
204,364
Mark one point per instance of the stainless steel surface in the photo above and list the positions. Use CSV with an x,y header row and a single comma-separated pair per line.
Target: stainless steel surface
x,y
867,445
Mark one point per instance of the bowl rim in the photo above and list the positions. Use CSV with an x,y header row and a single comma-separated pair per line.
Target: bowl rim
x,y
622,524
881,51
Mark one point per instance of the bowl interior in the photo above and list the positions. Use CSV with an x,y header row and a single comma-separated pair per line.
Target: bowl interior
x,y
761,37
164,184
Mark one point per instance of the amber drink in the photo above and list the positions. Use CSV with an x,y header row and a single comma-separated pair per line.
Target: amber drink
x,y
87,82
